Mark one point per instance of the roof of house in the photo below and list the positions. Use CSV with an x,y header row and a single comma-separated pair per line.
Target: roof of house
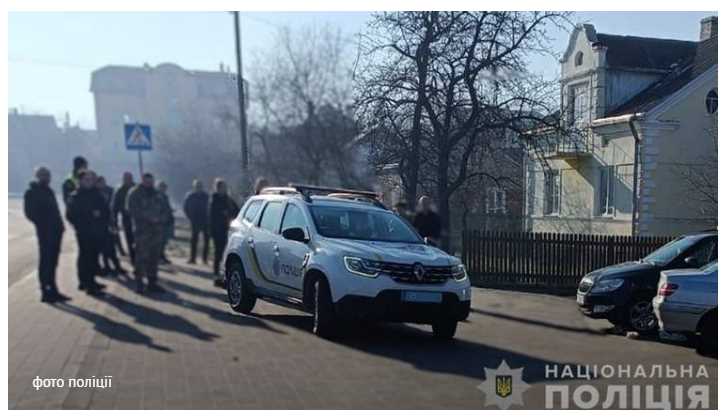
x,y
645,53
702,59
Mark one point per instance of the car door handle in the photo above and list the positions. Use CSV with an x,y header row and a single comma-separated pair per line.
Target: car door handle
x,y
276,249
250,242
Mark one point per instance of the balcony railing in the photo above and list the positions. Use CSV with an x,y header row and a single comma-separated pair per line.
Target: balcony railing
x,y
561,146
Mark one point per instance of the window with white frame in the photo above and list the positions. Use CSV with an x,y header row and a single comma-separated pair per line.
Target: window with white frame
x,y
495,203
578,105
607,196
551,192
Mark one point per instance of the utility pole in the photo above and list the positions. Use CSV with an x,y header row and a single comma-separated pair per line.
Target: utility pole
x,y
241,96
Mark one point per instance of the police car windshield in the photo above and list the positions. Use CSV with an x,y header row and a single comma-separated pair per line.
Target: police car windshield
x,y
353,223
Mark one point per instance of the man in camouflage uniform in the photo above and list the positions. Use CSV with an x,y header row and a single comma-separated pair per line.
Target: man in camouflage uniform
x,y
147,209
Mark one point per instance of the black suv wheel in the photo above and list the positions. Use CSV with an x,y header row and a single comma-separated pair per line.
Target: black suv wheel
x,y
324,315
444,329
239,290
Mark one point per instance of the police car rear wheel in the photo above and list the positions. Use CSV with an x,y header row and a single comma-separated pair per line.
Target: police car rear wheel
x,y
444,329
324,316
239,293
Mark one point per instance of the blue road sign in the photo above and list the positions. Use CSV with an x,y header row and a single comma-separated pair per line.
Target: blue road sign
x,y
137,136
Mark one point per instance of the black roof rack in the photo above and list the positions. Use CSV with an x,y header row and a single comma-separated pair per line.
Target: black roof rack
x,y
279,190
371,197
302,188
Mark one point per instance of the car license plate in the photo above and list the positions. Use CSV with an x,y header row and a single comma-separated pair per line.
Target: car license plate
x,y
580,299
422,297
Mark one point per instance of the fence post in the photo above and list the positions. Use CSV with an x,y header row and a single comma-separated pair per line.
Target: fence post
x,y
611,251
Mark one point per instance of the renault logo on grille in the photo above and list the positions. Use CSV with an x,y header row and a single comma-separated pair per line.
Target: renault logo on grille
x,y
419,271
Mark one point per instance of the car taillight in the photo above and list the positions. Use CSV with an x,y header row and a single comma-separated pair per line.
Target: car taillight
x,y
668,289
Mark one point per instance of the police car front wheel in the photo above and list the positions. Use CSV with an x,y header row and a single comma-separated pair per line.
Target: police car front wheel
x,y
444,328
325,323
239,293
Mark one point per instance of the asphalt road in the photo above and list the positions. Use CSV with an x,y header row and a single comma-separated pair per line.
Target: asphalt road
x,y
186,349
22,245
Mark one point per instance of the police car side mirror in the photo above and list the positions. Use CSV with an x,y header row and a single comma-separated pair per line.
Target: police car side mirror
x,y
295,234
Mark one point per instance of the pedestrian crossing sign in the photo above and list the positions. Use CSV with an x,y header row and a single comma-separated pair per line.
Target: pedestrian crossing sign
x,y
137,136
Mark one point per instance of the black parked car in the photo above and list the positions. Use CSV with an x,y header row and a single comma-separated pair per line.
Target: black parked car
x,y
622,293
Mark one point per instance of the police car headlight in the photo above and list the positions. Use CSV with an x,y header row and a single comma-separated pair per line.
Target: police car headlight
x,y
606,285
459,272
361,266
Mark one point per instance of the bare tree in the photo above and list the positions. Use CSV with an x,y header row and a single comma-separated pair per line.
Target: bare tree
x,y
475,81
701,179
392,87
301,91
214,143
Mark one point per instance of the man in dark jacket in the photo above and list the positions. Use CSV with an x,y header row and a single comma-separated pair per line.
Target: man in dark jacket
x,y
426,221
195,208
71,183
88,213
111,264
118,206
41,208
222,211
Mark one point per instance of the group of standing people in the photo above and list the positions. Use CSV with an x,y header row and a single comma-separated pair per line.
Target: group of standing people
x,y
209,217
92,208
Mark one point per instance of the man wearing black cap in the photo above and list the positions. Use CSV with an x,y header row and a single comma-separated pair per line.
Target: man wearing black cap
x,y
71,183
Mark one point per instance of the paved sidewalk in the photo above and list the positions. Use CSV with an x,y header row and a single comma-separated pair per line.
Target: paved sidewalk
x,y
186,349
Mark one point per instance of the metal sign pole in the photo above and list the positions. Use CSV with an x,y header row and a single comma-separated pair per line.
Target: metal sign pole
x,y
141,166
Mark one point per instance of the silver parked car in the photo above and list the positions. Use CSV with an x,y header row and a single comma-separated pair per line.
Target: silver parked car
x,y
686,303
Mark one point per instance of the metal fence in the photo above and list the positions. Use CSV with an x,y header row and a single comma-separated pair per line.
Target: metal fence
x,y
546,261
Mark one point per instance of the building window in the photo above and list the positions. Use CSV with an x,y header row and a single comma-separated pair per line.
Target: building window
x,y
606,187
579,58
578,105
551,192
530,207
711,101
496,200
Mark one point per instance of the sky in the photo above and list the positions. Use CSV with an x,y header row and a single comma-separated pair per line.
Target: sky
x,y
51,55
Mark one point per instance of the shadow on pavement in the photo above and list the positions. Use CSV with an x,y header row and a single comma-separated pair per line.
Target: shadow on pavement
x,y
416,347
204,274
112,329
145,315
216,314
170,295
539,323
185,288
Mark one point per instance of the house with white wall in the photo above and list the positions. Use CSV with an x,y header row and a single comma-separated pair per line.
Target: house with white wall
x,y
640,119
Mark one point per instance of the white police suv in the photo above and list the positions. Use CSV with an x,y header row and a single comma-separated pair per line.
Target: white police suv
x,y
342,256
